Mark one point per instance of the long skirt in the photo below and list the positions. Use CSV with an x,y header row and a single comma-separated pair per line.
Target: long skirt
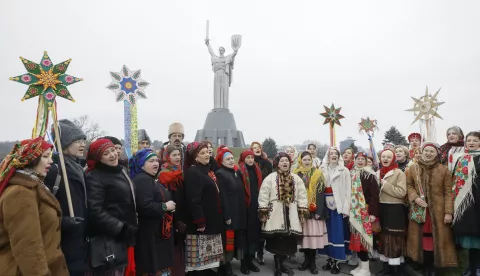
x,y
314,234
392,238
281,244
203,252
178,268
338,237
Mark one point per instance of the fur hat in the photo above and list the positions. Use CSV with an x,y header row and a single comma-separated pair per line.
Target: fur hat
x,y
69,133
175,128
114,140
142,136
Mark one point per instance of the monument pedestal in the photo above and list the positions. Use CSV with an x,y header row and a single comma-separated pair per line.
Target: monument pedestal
x,y
220,129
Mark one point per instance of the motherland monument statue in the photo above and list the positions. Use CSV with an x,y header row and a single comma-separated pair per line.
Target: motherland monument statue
x,y
220,127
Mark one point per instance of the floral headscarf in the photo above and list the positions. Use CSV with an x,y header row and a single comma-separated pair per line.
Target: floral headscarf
x,y
393,165
245,176
22,154
312,178
171,176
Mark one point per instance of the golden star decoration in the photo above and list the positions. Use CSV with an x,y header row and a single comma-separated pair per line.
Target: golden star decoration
x,y
426,107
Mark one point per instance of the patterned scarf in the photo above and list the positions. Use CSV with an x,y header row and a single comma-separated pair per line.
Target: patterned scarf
x,y
313,180
96,150
463,177
137,161
22,154
359,218
445,148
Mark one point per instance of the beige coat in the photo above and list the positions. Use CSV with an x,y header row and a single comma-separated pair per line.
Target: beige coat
x,y
30,230
438,192
394,189
272,208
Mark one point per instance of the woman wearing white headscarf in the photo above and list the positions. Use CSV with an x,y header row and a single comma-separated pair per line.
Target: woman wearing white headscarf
x,y
293,153
337,196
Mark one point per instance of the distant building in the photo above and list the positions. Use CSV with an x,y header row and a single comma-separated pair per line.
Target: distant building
x,y
346,143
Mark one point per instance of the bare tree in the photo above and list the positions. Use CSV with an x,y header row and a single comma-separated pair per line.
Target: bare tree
x,y
91,129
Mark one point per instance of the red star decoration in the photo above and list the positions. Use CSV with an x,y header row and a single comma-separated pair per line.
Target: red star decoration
x,y
332,116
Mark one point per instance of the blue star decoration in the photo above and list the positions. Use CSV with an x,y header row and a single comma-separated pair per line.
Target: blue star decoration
x,y
128,85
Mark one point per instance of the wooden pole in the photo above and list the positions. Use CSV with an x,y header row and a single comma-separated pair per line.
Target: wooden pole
x,y
62,161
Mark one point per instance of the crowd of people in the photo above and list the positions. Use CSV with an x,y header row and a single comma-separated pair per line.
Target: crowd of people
x,y
185,210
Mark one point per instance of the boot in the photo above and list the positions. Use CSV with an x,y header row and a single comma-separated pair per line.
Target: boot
x,y
306,262
396,271
260,259
386,271
244,268
251,266
278,269
364,269
356,270
285,269
228,270
328,265
313,263
221,270
335,268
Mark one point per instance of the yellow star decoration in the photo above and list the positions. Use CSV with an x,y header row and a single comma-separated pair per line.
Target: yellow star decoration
x,y
426,107
47,79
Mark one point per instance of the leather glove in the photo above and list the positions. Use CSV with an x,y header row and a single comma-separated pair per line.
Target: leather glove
x,y
181,227
69,223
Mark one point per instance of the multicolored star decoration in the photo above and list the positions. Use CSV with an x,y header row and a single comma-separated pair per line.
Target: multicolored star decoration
x,y
332,115
46,80
426,107
368,125
128,85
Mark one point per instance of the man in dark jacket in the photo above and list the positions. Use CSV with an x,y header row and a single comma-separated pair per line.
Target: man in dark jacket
x,y
73,243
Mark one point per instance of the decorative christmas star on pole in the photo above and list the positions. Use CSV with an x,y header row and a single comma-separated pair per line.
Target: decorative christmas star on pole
x,y
332,117
47,81
128,86
369,126
425,110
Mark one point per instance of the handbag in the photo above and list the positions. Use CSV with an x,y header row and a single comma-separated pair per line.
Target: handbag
x,y
107,252
417,212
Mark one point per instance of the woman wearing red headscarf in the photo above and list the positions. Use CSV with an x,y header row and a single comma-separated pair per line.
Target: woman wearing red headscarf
x,y
29,231
393,189
252,181
171,176
204,215
111,200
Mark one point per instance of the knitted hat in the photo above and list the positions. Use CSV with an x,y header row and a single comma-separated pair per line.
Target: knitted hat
x,y
114,140
142,136
414,135
69,133
361,154
175,128
244,155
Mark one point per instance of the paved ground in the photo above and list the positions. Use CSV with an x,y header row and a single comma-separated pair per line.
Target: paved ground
x,y
267,269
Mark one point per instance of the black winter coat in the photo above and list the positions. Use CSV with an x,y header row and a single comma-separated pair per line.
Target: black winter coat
x,y
110,201
154,247
253,223
265,166
73,242
203,199
232,192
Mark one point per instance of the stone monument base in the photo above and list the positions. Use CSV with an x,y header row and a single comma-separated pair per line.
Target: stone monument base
x,y
220,129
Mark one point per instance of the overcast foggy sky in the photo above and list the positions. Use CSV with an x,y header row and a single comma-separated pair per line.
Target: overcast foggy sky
x,y
367,57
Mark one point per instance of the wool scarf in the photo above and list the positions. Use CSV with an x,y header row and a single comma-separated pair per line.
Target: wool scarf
x,y
463,177
246,180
